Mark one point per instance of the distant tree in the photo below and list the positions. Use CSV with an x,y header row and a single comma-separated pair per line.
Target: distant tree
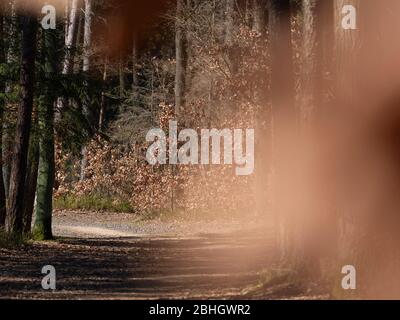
x,y
87,42
71,37
181,57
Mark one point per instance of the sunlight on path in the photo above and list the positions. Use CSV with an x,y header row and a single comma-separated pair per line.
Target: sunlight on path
x,y
97,232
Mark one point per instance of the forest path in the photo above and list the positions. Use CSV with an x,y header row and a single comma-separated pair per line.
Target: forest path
x,y
95,262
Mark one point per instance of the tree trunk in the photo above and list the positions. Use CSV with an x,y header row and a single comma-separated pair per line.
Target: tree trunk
x,y
103,97
12,57
87,41
71,36
259,16
232,56
263,121
181,58
135,78
45,182
19,163
309,62
31,179
70,41
2,107
122,82
283,109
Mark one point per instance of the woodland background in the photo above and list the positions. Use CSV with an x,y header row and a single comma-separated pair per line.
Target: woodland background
x,y
76,103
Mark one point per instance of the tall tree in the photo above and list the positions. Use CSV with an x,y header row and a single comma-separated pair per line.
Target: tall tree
x,y
309,60
87,41
263,119
181,57
31,176
45,182
13,51
19,164
2,106
71,35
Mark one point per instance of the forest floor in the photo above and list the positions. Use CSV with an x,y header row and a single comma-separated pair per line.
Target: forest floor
x,y
120,256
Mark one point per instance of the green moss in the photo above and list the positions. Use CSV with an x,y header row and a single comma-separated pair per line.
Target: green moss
x,y
40,233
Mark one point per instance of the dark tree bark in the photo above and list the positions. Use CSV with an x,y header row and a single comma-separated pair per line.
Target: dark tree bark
x,y
31,179
12,56
2,106
103,97
46,173
19,163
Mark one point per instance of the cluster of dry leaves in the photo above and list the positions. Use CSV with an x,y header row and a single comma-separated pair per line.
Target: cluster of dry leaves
x,y
123,174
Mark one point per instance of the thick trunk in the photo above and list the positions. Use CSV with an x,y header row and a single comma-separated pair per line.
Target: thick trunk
x,y
19,163
45,181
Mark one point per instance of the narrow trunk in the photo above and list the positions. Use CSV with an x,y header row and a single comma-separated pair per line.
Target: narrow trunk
x,y
121,74
309,62
87,40
19,163
70,41
12,57
231,52
263,121
103,97
181,54
71,37
2,107
31,179
135,79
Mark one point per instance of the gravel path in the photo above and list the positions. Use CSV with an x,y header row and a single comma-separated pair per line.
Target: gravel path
x,y
81,224
98,258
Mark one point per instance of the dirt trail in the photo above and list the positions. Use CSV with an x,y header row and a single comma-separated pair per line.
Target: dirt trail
x,y
99,261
